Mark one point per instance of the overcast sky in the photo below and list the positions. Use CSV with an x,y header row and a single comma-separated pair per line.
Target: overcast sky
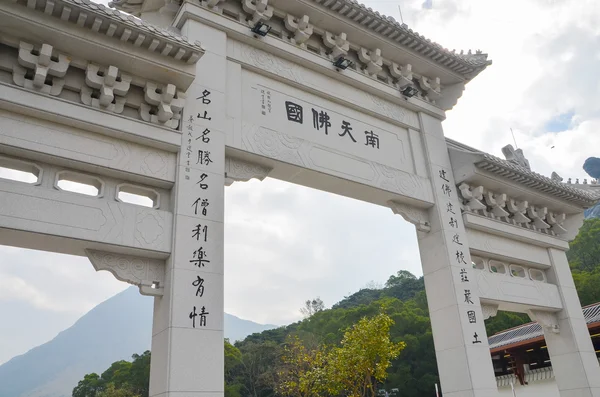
x,y
286,243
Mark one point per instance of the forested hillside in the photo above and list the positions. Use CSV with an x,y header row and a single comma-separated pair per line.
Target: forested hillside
x,y
252,365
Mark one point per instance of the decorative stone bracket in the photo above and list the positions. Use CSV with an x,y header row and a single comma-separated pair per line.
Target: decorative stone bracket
x,y
339,44
300,27
259,9
403,74
431,87
168,102
416,216
44,66
547,320
372,60
242,171
110,85
489,311
147,274
213,4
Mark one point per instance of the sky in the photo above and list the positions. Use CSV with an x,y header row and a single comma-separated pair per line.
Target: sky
x,y
286,243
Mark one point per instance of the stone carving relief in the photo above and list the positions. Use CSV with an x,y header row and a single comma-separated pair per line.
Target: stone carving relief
x,y
269,63
393,111
548,320
260,10
237,170
515,156
339,44
272,144
300,27
164,104
147,274
105,88
416,216
296,151
489,311
40,70
372,60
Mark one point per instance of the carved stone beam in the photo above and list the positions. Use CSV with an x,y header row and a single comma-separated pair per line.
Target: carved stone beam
x,y
557,223
300,27
489,311
548,320
147,274
43,65
517,210
416,216
339,44
168,101
538,215
473,196
432,87
496,202
260,10
242,171
403,74
372,60
111,85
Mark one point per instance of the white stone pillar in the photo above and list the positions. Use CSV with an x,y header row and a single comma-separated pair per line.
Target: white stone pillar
x,y
571,350
187,335
462,352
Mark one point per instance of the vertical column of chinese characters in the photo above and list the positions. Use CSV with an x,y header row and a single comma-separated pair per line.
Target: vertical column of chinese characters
x,y
197,268
461,261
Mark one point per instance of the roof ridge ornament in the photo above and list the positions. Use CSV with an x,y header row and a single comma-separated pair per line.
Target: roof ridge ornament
x,y
515,156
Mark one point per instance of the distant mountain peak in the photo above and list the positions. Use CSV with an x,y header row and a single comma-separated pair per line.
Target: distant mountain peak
x,y
113,330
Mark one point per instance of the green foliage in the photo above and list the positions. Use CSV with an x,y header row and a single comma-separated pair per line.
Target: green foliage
x,y
121,379
584,254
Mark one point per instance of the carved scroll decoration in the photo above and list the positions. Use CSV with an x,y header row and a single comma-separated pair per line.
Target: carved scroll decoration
x,y
242,171
548,320
147,274
489,311
416,216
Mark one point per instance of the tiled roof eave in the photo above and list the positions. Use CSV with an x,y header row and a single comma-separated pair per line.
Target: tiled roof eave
x,y
467,66
536,181
138,32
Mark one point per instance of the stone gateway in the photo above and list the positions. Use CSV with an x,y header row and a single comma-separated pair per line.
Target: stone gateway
x,y
173,100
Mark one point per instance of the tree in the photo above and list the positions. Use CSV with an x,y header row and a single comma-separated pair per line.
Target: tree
x,y
233,362
311,307
89,386
258,367
302,373
584,253
364,357
399,278
112,391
